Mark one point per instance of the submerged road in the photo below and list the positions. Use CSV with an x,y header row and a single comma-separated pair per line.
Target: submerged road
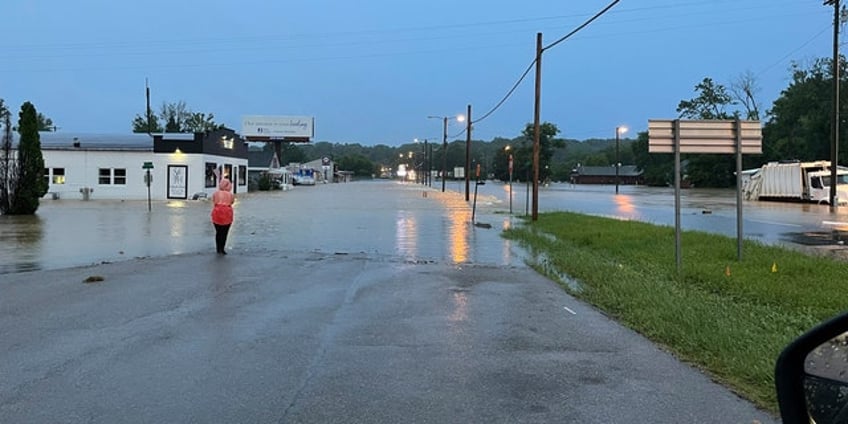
x,y
344,303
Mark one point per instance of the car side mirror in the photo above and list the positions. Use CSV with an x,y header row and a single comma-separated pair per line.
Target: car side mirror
x,y
811,375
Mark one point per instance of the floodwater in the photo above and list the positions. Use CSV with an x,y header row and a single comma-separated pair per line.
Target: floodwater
x,y
374,217
381,218
709,210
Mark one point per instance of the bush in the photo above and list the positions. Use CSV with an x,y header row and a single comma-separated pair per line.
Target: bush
x,y
265,183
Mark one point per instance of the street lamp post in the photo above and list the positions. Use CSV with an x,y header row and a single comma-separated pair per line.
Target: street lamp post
x,y
618,132
444,119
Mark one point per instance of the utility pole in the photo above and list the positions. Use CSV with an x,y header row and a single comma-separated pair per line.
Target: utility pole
x,y
834,144
149,114
536,113
467,152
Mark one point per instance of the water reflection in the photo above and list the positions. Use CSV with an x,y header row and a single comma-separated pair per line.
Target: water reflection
x,y
460,219
20,241
406,234
460,307
506,256
625,206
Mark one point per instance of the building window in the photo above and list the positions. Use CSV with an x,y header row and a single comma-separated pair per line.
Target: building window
x,y
211,180
242,175
110,176
105,176
228,173
120,176
58,175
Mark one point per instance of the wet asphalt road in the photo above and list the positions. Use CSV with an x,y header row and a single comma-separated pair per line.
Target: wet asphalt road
x,y
347,303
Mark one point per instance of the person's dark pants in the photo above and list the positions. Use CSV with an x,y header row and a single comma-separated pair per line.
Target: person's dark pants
x,y
221,237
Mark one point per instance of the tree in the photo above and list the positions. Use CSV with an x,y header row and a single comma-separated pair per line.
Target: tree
x,y
150,125
200,122
30,185
711,103
657,169
45,123
8,162
547,144
799,124
359,164
743,91
177,118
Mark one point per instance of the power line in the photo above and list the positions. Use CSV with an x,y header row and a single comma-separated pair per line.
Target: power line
x,y
508,94
597,15
527,71
779,61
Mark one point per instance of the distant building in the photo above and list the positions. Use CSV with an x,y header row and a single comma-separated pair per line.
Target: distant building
x,y
104,166
627,175
319,170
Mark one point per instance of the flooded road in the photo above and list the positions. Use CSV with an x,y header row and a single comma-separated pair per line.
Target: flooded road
x,y
382,218
375,217
709,210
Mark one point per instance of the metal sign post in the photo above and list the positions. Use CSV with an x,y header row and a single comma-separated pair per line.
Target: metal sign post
x,y
510,183
148,179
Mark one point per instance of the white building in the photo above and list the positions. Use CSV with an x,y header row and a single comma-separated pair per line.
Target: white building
x,y
98,166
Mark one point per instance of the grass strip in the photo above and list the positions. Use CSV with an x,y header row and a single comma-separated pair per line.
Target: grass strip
x,y
727,317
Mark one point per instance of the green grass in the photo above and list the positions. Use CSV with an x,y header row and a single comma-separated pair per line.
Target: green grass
x,y
731,326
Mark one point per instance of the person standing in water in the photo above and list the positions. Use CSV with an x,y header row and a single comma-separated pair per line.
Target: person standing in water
x,y
222,213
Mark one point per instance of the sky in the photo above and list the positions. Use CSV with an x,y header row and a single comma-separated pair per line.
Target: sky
x,y
373,71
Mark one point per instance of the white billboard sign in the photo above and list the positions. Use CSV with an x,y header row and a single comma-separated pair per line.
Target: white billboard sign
x,y
278,126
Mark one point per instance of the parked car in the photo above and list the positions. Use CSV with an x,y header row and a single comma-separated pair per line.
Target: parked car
x,y
303,179
811,375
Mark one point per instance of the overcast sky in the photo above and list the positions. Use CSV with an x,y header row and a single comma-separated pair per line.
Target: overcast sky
x,y
371,71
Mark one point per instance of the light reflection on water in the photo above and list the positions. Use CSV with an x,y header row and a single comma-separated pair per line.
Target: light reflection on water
x,y
459,219
407,234
625,206
507,256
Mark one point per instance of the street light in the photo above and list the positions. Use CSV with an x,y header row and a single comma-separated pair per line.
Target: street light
x,y
618,132
444,119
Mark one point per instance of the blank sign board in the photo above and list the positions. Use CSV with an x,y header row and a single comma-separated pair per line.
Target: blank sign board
x,y
705,136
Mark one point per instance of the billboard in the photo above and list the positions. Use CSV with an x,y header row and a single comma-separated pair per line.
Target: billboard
x,y
279,127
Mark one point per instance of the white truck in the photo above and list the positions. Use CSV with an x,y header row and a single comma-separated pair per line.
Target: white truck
x,y
796,181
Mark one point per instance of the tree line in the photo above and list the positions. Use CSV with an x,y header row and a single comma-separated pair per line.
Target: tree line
x,y
176,117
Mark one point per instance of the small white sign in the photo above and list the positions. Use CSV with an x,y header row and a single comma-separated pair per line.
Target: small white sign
x,y
278,126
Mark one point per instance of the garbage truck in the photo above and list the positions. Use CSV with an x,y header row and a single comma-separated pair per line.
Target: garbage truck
x,y
795,181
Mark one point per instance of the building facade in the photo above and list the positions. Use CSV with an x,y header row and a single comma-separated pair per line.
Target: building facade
x,y
119,167
627,175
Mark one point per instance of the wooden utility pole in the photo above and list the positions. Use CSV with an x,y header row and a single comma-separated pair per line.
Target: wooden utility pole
x,y
536,129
